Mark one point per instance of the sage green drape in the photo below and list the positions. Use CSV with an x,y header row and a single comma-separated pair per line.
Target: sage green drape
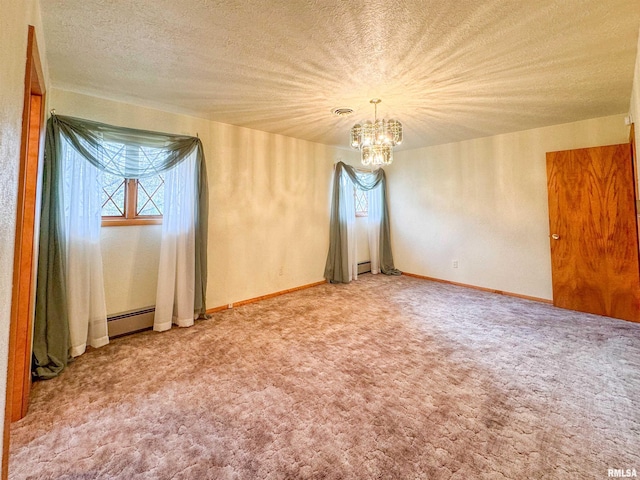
x,y
105,147
337,266
51,328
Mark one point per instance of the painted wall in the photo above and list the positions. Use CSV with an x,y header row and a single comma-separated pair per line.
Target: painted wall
x,y
484,203
362,240
269,208
15,16
130,265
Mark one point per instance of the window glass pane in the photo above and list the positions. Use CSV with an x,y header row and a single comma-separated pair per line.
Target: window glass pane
x,y
113,190
150,196
113,155
361,201
150,159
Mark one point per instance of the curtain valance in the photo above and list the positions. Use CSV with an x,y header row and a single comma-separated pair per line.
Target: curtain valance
x,y
125,152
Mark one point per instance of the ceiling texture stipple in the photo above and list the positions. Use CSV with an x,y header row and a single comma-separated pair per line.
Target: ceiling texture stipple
x,y
448,70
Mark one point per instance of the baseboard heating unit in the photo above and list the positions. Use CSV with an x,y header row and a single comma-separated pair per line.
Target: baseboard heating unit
x,y
364,267
130,322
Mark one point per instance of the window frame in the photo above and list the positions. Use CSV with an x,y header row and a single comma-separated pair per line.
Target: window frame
x,y
130,206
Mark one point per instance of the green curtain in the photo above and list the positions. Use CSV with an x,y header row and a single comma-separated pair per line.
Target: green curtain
x,y
51,328
104,146
337,268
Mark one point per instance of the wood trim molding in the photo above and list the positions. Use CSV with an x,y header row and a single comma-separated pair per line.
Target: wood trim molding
x,y
131,198
414,275
636,185
263,297
125,222
632,142
475,287
22,298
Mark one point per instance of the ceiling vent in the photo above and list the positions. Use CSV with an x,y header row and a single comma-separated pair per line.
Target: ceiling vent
x,y
342,111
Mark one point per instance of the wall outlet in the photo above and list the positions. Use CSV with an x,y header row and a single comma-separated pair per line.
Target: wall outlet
x,y
454,264
281,271
230,305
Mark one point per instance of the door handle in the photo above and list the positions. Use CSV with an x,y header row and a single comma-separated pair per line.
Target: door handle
x,y
555,236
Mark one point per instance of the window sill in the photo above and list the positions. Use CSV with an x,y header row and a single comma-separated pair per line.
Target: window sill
x,y
125,222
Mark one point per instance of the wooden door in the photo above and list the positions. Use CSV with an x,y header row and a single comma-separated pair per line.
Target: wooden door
x,y
594,238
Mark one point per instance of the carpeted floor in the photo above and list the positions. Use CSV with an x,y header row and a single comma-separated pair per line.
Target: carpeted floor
x,y
384,378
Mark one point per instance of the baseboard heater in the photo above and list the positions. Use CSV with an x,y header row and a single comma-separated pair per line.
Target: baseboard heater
x,y
364,267
130,322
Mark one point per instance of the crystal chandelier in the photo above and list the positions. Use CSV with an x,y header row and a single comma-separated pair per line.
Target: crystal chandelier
x,y
376,140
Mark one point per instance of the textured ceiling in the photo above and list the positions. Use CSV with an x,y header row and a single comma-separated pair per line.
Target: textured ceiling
x,y
448,70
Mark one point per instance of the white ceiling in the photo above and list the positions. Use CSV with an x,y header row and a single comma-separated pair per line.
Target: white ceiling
x,y
449,70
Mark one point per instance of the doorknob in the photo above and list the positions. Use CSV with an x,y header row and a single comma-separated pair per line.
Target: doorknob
x,y
555,236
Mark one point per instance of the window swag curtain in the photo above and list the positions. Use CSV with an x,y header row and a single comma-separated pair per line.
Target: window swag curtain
x,y
103,149
338,268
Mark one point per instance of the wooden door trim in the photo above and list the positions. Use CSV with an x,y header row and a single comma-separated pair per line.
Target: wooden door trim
x,y
22,297
632,142
24,281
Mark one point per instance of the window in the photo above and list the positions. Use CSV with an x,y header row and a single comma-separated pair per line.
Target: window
x,y
127,201
361,202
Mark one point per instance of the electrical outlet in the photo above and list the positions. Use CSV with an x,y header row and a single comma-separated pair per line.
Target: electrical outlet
x,y
281,271
230,305
454,264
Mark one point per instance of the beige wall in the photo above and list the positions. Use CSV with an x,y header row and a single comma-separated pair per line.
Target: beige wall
x,y
269,208
130,256
362,240
15,16
483,202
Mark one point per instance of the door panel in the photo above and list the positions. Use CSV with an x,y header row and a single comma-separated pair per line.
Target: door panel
x,y
592,213
620,233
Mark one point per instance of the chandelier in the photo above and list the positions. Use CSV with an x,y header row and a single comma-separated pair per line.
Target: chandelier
x,y
376,140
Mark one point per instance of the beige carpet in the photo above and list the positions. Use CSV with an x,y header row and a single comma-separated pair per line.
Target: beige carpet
x,y
385,378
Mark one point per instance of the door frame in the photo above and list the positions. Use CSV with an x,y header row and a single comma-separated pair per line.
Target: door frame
x,y
25,259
